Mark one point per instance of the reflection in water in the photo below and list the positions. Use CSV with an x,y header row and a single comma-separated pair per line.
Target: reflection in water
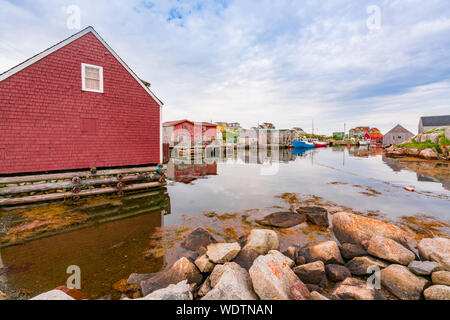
x,y
106,249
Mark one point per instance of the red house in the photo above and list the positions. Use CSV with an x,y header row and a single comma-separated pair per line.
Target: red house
x,y
374,137
186,130
74,106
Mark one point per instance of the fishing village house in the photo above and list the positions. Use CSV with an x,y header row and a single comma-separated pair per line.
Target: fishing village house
x,y
397,135
433,122
186,131
77,105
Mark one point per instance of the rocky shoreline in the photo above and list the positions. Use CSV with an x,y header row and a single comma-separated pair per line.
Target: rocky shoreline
x,y
370,260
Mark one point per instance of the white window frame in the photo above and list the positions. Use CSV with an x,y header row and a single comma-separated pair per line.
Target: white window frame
x,y
83,77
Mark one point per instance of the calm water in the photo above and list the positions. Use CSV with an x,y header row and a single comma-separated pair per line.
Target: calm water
x,y
141,232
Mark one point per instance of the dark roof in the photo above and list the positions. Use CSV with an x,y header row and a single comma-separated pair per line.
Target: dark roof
x,y
398,128
437,121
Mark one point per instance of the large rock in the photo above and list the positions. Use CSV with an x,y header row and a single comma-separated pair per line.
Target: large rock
x,y
423,268
315,215
262,241
359,265
351,228
313,273
204,288
282,219
428,154
403,283
336,272
389,250
317,296
327,252
204,264
197,239
53,295
246,257
230,282
441,277
179,291
351,250
299,291
222,252
181,270
272,276
436,249
437,292
136,278
355,289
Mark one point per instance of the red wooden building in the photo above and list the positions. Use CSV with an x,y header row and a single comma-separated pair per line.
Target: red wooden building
x,y
77,105
186,130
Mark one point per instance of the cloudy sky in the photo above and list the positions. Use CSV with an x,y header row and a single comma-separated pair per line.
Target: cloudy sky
x,y
375,63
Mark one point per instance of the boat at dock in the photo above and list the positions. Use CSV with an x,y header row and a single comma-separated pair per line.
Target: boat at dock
x,y
320,144
364,142
302,144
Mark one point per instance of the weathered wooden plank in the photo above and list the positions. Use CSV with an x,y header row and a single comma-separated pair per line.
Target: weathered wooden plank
x,y
82,193
69,185
70,175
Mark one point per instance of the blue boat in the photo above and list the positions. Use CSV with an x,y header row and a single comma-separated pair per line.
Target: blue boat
x,y
302,144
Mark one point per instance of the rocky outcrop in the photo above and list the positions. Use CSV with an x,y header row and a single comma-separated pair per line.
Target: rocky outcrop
x,y
222,252
327,252
272,276
351,228
315,215
350,250
389,250
437,292
179,291
197,239
282,219
359,266
181,270
317,296
53,295
436,249
230,282
441,277
429,154
355,289
312,273
403,283
423,268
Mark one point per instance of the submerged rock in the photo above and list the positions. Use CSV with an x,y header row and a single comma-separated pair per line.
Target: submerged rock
x,y
272,276
299,291
441,277
355,289
230,282
389,250
282,219
436,249
403,283
262,241
350,250
359,266
315,215
197,239
327,252
336,272
437,292
222,252
53,295
182,269
179,291
423,268
313,273
136,278
351,228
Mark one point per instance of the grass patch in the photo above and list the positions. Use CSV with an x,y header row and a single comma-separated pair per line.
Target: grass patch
x,y
423,145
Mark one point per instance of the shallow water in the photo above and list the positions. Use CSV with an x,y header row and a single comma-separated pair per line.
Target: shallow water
x,y
225,195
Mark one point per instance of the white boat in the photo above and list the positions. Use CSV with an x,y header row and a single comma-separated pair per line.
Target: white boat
x,y
364,142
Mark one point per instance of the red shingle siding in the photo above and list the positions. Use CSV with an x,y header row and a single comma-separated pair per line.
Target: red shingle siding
x,y
48,123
